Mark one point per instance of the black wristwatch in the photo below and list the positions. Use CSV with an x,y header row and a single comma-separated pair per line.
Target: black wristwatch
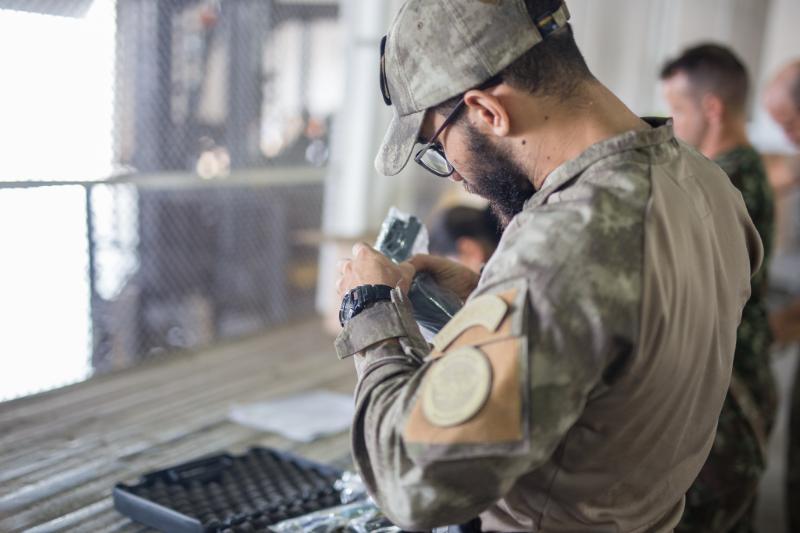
x,y
358,299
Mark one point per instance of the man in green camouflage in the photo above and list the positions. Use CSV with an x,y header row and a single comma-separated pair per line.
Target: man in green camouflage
x,y
579,387
706,89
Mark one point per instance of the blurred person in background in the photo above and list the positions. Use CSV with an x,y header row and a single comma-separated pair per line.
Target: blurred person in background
x,y
706,88
465,234
782,100
580,386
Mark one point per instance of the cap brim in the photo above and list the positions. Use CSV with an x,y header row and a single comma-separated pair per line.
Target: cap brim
x,y
398,144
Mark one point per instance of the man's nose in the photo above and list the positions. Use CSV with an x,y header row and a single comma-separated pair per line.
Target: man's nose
x,y
456,177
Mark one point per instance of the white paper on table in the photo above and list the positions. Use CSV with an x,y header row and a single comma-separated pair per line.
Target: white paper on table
x,y
302,417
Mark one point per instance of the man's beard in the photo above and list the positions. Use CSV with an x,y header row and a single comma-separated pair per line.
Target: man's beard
x,y
497,177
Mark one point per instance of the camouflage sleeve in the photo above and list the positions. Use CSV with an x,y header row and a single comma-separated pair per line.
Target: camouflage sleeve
x,y
746,171
442,434
439,442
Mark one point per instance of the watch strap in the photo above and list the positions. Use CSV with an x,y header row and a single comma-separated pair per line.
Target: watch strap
x,y
361,297
384,320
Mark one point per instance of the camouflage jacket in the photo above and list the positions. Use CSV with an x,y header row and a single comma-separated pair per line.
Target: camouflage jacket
x,y
753,338
579,387
720,497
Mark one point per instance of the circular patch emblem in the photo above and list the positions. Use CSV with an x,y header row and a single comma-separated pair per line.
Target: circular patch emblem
x,y
457,387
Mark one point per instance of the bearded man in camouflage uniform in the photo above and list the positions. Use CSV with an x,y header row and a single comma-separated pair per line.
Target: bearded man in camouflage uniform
x,y
706,88
579,387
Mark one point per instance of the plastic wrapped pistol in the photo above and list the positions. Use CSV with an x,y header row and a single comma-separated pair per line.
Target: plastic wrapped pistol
x,y
358,517
357,514
402,235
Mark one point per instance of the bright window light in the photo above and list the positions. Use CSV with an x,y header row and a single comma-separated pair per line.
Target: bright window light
x,y
56,99
56,112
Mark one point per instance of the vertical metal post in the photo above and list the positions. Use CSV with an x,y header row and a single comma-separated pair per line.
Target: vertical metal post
x,y
247,22
144,66
92,271
305,63
358,130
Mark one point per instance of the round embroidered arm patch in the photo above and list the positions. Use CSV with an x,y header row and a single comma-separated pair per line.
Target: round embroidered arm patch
x,y
457,387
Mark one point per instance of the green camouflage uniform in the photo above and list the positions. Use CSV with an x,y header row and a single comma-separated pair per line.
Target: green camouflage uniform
x,y
793,457
723,497
579,388
793,452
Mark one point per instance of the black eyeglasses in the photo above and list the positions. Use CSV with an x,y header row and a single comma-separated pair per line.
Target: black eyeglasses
x,y
432,157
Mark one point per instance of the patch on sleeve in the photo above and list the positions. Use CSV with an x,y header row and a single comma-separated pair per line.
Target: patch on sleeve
x,y
487,311
475,391
501,416
457,387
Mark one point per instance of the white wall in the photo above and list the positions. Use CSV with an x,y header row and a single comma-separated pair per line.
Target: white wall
x,y
355,196
627,41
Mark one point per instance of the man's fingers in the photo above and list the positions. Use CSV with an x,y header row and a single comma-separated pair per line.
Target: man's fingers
x,y
408,270
424,262
360,248
340,286
419,261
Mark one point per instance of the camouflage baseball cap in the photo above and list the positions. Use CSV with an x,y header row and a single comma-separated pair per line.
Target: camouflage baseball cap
x,y
437,49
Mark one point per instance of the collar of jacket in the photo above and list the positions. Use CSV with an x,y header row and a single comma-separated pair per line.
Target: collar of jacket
x,y
660,132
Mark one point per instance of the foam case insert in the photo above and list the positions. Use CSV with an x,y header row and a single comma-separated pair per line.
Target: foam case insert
x,y
229,493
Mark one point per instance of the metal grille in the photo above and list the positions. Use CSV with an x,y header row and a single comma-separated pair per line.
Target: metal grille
x,y
220,113
209,86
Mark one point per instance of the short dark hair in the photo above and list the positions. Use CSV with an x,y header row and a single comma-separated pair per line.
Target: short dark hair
x,y
463,221
554,67
713,68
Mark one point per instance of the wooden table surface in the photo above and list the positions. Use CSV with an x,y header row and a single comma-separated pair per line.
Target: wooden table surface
x,y
62,452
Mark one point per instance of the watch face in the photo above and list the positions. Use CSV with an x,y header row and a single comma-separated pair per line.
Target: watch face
x,y
360,298
344,310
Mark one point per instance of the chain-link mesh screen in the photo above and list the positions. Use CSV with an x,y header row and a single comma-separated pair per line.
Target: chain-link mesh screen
x,y
186,214
214,86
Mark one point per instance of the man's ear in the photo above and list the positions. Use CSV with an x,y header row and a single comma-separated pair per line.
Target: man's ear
x,y
713,107
488,112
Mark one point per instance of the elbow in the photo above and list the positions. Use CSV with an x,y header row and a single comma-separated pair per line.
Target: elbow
x,y
419,520
410,523
411,514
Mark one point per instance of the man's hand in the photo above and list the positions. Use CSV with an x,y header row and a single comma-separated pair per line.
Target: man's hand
x,y
449,274
370,267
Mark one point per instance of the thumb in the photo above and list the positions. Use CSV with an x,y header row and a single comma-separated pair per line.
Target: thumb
x,y
407,273
432,264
